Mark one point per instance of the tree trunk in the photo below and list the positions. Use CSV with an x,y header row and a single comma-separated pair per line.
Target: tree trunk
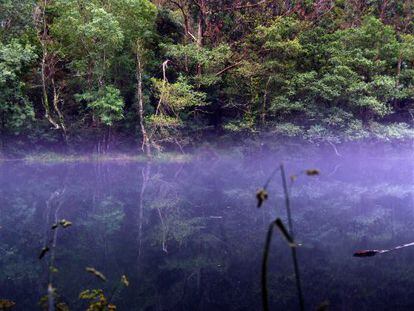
x,y
56,100
200,38
146,146
43,37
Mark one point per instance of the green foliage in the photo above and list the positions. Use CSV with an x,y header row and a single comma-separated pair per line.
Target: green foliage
x,y
107,104
98,300
15,108
176,97
15,18
329,86
135,17
192,57
332,72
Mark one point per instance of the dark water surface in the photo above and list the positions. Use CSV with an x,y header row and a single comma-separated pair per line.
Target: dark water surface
x,y
188,236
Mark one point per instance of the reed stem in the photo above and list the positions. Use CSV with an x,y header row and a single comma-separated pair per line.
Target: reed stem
x,y
293,249
265,295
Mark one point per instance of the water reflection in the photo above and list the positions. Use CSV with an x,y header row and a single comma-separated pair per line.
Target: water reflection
x,y
189,236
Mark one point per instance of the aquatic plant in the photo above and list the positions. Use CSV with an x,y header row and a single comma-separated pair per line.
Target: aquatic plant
x,y
98,301
262,196
279,224
49,301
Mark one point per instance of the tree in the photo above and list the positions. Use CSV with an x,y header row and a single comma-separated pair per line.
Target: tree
x,y
16,110
137,19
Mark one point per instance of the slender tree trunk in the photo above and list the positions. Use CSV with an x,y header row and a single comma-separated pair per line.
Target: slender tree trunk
x,y
146,173
398,70
61,118
146,146
43,37
200,38
263,112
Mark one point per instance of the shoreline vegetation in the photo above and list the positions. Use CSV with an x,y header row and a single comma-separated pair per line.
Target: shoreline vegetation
x,y
54,157
166,75
206,152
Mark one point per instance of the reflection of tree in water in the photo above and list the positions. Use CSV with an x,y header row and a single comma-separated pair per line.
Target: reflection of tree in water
x,y
145,173
204,215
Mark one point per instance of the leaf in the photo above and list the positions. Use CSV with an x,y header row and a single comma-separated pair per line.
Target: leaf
x,y
96,273
124,280
312,172
53,269
64,223
261,196
90,294
44,251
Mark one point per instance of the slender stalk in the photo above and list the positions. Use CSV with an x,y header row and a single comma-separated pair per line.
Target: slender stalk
x,y
146,144
265,295
287,200
293,249
270,178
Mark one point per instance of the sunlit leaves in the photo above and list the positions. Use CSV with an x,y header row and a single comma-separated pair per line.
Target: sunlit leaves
x,y
98,300
106,104
175,97
87,29
212,60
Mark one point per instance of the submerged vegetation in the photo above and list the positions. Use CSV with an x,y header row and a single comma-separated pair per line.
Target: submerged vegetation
x,y
118,189
169,75
187,235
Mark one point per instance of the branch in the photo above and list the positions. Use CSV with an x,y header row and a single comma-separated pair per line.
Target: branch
x,y
241,59
185,17
191,35
228,68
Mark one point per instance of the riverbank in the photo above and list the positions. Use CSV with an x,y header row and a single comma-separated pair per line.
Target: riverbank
x,y
284,150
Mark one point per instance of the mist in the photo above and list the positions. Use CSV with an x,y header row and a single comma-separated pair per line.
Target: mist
x,y
187,234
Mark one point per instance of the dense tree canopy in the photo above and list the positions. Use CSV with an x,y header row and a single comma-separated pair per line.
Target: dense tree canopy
x,y
172,73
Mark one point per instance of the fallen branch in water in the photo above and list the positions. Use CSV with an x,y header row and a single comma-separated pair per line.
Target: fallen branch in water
x,y
373,252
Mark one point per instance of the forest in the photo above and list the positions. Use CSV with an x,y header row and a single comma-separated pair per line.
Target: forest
x,y
104,75
210,155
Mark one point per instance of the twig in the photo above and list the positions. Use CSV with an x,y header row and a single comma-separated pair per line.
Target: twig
x,y
270,178
335,149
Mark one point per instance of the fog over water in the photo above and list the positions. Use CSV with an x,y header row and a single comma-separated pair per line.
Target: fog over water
x,y
188,234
